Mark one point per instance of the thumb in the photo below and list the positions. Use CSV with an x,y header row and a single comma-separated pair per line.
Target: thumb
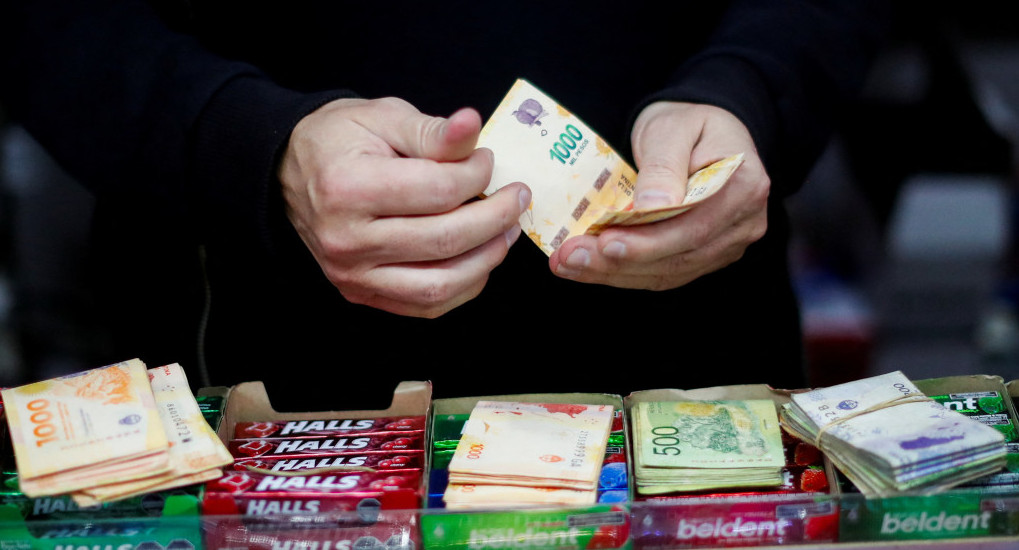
x,y
441,139
663,139
661,180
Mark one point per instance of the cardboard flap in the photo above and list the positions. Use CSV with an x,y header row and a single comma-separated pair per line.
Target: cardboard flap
x,y
249,402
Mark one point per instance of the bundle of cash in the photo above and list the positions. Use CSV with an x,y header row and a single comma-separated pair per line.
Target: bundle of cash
x,y
519,454
111,433
578,183
701,445
887,437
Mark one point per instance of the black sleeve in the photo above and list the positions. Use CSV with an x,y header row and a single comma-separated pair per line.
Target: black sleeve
x,y
787,69
141,112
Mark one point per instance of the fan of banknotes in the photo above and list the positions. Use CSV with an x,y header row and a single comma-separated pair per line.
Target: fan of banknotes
x,y
701,445
522,454
579,184
110,433
887,437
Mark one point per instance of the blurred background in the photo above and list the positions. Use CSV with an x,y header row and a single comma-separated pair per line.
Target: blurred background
x,y
904,252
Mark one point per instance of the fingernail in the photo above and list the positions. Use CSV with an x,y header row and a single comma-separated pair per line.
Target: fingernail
x,y
652,198
579,258
566,272
512,235
525,199
614,249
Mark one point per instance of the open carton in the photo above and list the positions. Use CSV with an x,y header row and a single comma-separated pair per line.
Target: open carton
x,y
689,521
983,510
372,522
658,525
603,526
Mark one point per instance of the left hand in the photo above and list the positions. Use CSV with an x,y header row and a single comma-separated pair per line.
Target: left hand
x,y
672,140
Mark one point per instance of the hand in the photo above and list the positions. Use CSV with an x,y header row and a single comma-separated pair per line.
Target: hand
x,y
382,196
671,141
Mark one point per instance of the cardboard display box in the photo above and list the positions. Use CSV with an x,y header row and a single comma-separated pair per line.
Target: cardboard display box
x,y
957,519
985,521
370,525
601,526
172,524
755,520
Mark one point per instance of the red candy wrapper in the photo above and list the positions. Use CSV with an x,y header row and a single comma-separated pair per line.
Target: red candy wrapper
x,y
252,494
334,427
399,533
727,521
383,461
325,446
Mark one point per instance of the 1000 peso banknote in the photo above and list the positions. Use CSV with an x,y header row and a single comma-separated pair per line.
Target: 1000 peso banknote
x,y
579,184
196,452
85,429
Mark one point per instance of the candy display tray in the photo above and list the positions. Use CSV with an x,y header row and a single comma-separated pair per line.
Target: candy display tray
x,y
953,520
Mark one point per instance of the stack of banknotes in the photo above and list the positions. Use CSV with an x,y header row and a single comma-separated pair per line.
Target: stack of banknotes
x,y
514,454
111,433
704,445
887,437
579,184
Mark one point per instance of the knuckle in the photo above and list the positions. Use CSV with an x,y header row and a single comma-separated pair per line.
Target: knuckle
x,y
339,275
357,298
434,295
699,234
335,246
658,282
391,104
447,242
758,230
444,193
428,130
659,168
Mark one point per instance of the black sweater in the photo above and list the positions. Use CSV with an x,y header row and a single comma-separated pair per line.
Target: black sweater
x,y
174,114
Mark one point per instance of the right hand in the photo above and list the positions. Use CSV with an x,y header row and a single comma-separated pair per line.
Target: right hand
x,y
381,195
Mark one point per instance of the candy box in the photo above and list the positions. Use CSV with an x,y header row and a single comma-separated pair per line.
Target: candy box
x,y
987,400
722,520
804,509
605,525
175,525
984,508
285,512
390,530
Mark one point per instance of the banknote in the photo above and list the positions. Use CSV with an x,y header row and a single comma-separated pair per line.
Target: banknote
x,y
694,445
532,444
702,184
194,446
91,497
471,496
887,437
196,453
86,429
579,184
